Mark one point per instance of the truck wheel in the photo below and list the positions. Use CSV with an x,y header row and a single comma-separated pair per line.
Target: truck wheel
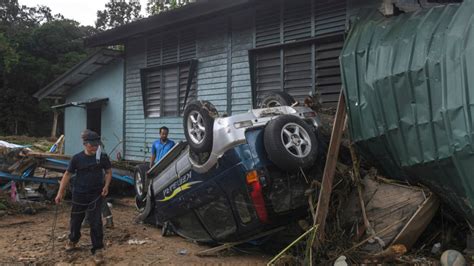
x,y
141,184
198,124
290,143
277,98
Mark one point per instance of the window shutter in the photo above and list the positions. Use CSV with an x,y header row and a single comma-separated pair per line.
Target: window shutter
x,y
170,91
183,82
153,51
267,28
153,94
329,17
187,45
268,72
328,73
297,20
170,49
297,70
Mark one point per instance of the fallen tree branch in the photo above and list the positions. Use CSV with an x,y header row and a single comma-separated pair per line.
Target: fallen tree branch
x,y
213,251
314,228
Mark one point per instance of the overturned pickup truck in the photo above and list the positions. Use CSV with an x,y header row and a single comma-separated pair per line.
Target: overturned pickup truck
x,y
234,176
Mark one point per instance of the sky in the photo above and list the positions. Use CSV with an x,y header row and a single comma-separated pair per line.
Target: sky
x,y
83,11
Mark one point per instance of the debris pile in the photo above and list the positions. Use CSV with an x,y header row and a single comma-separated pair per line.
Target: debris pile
x,y
11,205
371,219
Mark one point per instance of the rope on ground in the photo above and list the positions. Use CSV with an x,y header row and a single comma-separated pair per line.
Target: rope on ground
x,y
53,229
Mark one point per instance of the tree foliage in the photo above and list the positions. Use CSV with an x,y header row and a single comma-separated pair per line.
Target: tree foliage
x,y
157,6
120,12
117,13
35,47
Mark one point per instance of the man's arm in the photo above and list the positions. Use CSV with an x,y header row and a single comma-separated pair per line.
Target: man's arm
x,y
62,187
108,179
153,155
152,160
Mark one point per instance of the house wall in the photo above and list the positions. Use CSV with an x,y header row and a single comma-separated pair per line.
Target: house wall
x,y
223,78
106,83
224,69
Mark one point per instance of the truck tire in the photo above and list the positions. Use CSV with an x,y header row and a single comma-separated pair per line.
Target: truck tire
x,y
198,124
141,184
277,98
290,143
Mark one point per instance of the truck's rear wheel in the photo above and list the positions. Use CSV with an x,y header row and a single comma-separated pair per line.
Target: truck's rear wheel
x,y
277,98
290,143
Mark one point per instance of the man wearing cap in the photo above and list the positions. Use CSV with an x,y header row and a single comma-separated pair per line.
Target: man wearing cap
x,y
89,188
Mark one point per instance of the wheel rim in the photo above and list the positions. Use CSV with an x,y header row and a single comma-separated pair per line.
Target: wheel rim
x,y
196,129
296,140
139,184
140,204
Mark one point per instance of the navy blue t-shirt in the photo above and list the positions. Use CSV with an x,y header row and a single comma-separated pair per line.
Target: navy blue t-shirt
x,y
89,172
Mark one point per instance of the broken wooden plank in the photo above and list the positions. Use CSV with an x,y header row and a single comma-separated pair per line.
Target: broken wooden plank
x,y
15,224
213,251
47,155
357,180
330,168
418,222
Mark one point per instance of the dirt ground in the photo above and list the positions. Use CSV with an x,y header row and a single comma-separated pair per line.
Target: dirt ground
x,y
27,239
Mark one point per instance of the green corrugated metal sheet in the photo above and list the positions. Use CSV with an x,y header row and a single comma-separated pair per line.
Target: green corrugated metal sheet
x,y
409,84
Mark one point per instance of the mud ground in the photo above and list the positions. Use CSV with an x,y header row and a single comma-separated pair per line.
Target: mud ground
x,y
27,239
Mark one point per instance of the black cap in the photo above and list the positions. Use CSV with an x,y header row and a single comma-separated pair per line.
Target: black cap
x,y
89,136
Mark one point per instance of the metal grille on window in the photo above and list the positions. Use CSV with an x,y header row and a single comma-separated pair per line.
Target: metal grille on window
x,y
153,51
170,88
327,70
268,72
183,82
169,49
267,25
329,17
296,20
309,35
297,71
153,94
187,45
164,89
164,85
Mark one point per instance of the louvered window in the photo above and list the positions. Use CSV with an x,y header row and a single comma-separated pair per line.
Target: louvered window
x,y
327,69
164,88
292,68
329,17
170,61
296,20
169,48
297,48
286,69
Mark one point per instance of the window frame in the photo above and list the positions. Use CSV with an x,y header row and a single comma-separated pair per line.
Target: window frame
x,y
144,89
314,41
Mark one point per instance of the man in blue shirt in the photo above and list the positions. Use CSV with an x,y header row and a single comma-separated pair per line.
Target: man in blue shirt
x,y
161,147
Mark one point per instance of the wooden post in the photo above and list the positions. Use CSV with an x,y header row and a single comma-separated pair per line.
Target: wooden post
x,y
330,169
55,121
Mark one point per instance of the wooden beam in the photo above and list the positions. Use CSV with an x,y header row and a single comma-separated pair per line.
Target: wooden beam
x,y
330,169
47,155
55,120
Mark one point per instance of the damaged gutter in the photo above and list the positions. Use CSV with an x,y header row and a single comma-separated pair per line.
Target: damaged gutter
x,y
410,96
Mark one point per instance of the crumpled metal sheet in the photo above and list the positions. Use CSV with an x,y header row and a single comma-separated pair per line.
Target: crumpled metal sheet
x,y
409,86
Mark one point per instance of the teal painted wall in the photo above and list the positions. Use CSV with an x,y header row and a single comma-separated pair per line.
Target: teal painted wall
x,y
222,52
105,83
